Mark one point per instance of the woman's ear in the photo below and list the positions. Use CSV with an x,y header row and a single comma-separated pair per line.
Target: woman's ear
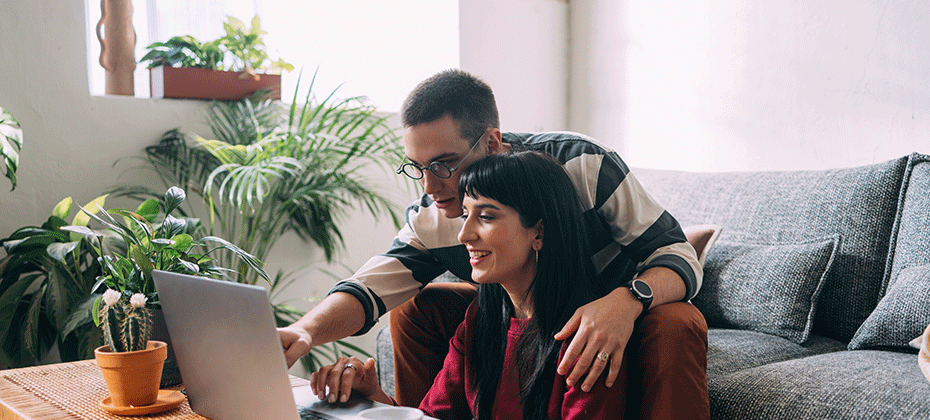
x,y
538,243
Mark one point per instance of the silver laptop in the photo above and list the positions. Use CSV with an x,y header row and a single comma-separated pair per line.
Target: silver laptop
x,y
230,355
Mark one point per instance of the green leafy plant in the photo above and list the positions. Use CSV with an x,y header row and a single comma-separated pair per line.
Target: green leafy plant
x,y
11,141
273,169
185,51
52,275
241,49
248,48
45,279
167,246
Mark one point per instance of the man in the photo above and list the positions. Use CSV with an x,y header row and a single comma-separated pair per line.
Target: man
x,y
450,121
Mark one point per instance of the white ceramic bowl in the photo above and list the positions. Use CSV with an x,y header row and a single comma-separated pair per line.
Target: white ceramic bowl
x,y
391,413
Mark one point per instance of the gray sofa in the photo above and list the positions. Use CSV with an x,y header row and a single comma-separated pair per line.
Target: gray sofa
x,y
812,292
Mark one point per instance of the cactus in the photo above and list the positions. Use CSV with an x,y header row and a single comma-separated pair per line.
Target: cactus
x,y
125,327
110,323
135,329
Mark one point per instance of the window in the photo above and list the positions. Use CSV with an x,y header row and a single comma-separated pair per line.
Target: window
x,y
371,48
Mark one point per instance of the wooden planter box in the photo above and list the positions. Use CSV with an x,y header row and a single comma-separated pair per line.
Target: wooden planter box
x,y
197,83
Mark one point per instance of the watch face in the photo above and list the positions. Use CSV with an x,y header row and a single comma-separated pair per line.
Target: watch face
x,y
642,289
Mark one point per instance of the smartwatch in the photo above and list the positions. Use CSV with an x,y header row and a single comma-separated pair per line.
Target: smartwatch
x,y
642,292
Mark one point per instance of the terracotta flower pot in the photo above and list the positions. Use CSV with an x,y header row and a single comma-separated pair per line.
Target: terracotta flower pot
x,y
197,83
132,377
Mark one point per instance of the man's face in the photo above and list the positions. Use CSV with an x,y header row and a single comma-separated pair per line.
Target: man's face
x,y
440,141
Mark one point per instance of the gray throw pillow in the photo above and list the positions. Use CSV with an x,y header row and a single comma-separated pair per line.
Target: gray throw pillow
x,y
771,289
900,316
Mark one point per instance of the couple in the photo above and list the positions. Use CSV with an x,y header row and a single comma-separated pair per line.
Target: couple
x,y
658,341
527,250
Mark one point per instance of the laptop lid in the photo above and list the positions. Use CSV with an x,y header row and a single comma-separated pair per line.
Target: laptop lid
x,y
227,348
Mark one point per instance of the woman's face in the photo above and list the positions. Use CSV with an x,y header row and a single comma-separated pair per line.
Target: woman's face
x,y
500,249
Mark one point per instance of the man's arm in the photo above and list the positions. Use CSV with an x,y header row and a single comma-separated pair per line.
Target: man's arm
x,y
383,282
338,316
644,232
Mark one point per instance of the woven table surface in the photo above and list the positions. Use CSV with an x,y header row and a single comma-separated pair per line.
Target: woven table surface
x,y
64,391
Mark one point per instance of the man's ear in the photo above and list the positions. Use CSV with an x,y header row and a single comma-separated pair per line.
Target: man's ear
x,y
495,141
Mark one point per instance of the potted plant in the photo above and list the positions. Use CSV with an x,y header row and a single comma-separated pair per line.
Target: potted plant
x,y
11,141
130,363
232,67
145,246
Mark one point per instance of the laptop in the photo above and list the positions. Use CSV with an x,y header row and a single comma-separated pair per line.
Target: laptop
x,y
230,355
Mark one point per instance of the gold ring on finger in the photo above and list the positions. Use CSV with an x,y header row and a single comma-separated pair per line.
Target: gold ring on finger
x,y
603,356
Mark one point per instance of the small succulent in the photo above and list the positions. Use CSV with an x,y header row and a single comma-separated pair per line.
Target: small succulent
x,y
125,322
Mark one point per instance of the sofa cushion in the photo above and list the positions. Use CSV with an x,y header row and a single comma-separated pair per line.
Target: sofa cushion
x,y
865,384
702,238
771,289
860,204
911,243
730,351
385,359
901,315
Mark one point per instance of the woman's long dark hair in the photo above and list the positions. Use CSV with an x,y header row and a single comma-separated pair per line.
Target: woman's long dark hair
x,y
538,188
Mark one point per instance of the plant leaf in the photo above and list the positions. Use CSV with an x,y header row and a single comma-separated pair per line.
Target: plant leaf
x,y
142,260
31,341
63,208
254,263
82,230
149,209
9,301
60,250
82,218
182,242
11,142
173,198
80,315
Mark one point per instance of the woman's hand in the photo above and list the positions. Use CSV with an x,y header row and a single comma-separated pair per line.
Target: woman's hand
x,y
346,376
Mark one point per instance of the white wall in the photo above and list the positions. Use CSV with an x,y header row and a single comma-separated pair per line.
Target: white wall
x,y
714,85
520,48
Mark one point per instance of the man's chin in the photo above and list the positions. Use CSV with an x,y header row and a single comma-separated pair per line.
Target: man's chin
x,y
452,213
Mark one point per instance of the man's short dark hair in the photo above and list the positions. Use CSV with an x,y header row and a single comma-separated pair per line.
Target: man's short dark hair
x,y
466,98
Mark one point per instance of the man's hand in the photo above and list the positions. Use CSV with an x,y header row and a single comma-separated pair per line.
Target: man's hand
x,y
336,317
603,326
296,342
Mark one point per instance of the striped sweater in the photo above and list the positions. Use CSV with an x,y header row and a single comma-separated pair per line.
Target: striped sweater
x,y
628,231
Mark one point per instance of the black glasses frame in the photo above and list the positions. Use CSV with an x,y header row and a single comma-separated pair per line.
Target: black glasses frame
x,y
439,169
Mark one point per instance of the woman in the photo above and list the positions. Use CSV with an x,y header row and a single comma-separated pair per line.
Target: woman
x,y
522,228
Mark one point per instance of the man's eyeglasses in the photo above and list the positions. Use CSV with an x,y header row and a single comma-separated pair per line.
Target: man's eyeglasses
x,y
439,169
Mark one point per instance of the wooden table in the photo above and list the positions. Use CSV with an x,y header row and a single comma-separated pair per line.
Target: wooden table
x,y
69,391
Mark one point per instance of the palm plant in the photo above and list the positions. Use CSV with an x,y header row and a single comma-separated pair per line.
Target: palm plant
x,y
11,141
273,169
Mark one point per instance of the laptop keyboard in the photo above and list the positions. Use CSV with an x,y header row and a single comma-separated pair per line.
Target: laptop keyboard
x,y
307,413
